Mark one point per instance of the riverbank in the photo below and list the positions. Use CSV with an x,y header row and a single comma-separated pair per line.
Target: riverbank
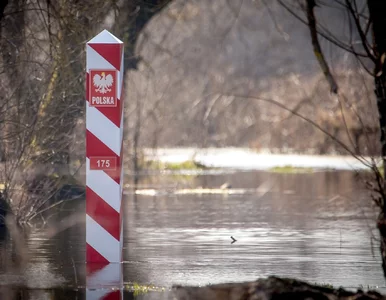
x,y
270,288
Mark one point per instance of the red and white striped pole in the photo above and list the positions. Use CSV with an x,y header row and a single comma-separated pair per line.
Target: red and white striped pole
x,y
104,140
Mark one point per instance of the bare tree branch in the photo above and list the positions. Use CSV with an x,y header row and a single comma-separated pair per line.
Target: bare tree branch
x,y
339,142
327,36
362,35
317,49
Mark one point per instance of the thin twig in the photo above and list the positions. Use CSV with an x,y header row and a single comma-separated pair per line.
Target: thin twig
x,y
308,120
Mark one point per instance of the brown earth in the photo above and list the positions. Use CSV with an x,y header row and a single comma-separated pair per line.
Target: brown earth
x,y
272,288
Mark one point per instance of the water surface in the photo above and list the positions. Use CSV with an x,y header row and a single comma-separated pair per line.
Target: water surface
x,y
316,227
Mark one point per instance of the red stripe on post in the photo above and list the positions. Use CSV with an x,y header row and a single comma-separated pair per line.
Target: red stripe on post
x,y
116,295
112,113
94,256
115,174
103,213
96,148
110,52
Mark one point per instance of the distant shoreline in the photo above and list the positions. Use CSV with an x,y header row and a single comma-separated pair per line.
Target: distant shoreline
x,y
249,159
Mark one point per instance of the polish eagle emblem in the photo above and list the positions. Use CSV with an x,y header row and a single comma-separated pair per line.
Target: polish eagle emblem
x,y
103,82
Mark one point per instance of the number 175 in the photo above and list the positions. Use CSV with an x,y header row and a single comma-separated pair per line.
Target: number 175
x,y
103,163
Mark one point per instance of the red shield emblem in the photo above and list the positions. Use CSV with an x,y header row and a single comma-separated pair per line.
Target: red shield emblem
x,y
103,88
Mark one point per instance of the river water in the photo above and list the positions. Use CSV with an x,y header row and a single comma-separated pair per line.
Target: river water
x,y
317,227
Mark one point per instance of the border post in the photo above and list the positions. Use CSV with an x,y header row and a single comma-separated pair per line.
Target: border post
x,y
104,171
104,134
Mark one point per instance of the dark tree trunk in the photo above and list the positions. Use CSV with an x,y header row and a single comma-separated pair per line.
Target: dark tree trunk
x,y
3,5
132,22
377,10
130,25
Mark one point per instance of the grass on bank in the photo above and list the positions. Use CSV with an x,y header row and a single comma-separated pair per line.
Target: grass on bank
x,y
140,289
290,170
192,165
185,165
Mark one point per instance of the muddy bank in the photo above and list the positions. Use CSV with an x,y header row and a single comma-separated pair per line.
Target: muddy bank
x,y
272,288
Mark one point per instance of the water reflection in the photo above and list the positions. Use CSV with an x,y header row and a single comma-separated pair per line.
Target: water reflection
x,y
315,227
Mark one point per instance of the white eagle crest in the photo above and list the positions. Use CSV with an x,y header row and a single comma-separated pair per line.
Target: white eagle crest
x,y
103,82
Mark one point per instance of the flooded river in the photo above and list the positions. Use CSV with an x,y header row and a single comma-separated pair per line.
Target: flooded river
x,y
317,227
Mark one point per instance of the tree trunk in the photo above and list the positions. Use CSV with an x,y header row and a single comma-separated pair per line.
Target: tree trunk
x,y
377,10
131,22
133,17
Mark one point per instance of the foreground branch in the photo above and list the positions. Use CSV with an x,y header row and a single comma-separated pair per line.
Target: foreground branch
x,y
316,45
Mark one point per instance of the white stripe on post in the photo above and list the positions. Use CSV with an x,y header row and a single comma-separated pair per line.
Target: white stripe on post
x,y
104,186
121,77
105,130
100,239
96,61
107,277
